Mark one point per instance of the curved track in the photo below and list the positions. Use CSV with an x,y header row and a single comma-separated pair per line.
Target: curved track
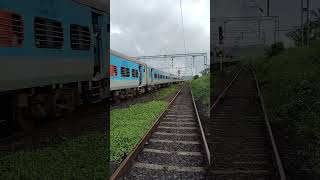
x,y
240,137
174,148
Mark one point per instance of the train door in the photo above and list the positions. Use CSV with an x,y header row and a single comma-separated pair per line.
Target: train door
x,y
140,75
97,41
151,74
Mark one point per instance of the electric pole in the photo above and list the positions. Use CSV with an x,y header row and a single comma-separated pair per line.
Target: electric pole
x,y
268,8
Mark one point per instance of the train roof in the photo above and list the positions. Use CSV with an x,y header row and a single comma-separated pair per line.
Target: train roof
x,y
102,5
126,57
137,61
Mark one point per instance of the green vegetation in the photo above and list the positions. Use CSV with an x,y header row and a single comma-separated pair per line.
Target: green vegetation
x,y
164,92
201,90
274,50
129,125
82,158
291,88
291,84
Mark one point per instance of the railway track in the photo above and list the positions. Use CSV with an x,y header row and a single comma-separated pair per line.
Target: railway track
x,y
239,134
174,148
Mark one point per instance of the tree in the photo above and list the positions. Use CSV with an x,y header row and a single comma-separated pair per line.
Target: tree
x,y
275,49
314,28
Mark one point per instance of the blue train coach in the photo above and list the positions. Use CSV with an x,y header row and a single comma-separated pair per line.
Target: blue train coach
x,y
129,76
53,57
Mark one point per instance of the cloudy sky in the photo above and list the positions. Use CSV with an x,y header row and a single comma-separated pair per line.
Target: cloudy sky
x,y
153,27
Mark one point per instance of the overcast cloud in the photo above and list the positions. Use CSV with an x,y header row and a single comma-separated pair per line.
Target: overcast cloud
x,y
153,27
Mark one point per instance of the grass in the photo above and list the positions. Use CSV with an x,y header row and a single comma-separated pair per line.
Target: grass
x,y
81,158
291,89
164,92
201,90
129,125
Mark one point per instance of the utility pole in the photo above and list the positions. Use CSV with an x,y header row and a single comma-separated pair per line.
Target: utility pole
x,y
305,11
308,24
193,61
172,62
259,21
268,8
204,64
302,26
221,45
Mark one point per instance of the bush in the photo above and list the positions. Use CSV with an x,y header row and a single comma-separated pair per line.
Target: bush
x,y
274,50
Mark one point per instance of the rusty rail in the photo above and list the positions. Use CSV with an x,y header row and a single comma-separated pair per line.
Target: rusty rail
x,y
204,140
225,90
273,142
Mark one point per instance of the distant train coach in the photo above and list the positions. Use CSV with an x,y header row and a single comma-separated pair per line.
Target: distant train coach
x,y
52,57
129,76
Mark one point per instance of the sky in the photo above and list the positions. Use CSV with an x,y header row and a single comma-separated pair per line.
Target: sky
x,y
287,10
154,27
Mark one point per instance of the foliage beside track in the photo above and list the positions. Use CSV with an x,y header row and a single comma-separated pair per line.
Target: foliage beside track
x,y
129,125
201,90
85,157
164,92
291,88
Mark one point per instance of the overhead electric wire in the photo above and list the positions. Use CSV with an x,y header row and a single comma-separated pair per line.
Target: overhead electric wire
x,y
184,39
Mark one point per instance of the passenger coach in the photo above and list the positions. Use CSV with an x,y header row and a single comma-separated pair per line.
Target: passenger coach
x,y
129,76
52,57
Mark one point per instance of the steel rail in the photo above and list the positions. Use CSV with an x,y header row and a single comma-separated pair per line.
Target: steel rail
x,y
274,146
124,166
225,90
204,140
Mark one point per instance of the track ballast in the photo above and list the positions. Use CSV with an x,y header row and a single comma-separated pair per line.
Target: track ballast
x,y
238,136
175,148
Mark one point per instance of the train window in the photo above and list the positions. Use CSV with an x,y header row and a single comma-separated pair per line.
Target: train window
x,y
125,72
113,70
80,37
48,33
108,28
11,29
155,76
134,73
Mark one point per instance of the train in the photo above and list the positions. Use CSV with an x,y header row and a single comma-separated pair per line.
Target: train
x,y
129,76
53,57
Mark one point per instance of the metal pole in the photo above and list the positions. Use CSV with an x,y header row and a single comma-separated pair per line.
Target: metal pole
x,y
278,27
308,24
221,58
275,32
268,8
204,63
172,62
193,61
259,21
302,27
